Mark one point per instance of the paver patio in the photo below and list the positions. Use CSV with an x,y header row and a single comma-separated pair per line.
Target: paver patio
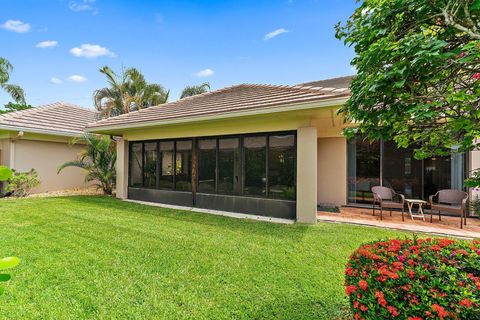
x,y
363,216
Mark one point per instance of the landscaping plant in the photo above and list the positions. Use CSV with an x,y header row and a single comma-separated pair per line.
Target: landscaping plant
x,y
418,73
7,263
415,279
98,159
21,183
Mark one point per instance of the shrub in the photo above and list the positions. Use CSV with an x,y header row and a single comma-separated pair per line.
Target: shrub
x,y
21,183
415,279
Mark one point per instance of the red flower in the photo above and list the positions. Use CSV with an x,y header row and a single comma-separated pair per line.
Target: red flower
x,y
392,310
415,318
441,312
465,303
411,273
349,271
363,284
476,76
380,298
350,289
363,308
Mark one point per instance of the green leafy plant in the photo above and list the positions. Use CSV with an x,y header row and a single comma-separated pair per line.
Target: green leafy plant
x,y
5,173
190,91
475,205
22,183
98,159
7,263
126,92
418,73
415,279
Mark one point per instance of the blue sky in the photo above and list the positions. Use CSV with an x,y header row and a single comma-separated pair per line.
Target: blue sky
x,y
57,46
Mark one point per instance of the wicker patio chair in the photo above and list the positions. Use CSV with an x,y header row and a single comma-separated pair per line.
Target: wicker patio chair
x,y
449,200
388,199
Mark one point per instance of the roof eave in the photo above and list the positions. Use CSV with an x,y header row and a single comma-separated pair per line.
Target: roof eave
x,y
291,107
40,131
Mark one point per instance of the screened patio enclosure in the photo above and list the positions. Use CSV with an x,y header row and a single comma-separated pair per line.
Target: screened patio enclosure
x,y
251,173
382,163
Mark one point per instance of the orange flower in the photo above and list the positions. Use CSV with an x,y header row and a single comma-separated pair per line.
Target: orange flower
x,y
392,310
441,312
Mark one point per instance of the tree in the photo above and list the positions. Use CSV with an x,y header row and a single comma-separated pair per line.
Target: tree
x,y
98,159
418,73
189,91
12,107
13,90
127,92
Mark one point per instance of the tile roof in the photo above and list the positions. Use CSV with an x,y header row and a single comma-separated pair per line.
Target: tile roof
x,y
58,118
340,82
224,102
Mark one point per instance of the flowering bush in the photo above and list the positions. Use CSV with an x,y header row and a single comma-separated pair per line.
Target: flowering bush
x,y
415,279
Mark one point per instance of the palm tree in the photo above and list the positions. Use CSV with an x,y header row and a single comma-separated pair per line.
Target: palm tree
x,y
127,92
189,91
13,90
98,159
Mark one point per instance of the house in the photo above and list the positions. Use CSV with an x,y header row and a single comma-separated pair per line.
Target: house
x,y
40,137
276,151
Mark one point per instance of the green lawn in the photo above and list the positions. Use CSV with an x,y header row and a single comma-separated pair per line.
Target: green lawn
x,y
96,257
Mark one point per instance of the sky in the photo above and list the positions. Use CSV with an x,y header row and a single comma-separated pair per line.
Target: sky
x,y
58,46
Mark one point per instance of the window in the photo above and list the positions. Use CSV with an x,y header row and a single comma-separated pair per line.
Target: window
x,y
251,165
183,165
363,170
207,155
281,167
136,165
229,166
255,165
371,164
150,163
165,155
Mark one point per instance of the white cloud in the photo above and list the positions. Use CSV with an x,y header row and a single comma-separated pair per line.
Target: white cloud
x,y
16,26
82,5
76,78
47,44
91,51
204,73
275,33
55,80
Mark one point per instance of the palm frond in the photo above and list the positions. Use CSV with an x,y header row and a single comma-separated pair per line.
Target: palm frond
x,y
16,92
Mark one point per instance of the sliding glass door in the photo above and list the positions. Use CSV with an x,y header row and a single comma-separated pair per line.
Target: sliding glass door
x,y
382,163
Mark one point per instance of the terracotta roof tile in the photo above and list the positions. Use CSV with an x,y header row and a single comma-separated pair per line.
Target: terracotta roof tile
x,y
58,118
237,98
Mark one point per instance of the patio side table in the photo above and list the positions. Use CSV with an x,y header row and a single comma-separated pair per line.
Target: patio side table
x,y
420,204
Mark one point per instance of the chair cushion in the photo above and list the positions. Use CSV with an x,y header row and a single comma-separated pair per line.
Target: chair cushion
x,y
391,204
446,208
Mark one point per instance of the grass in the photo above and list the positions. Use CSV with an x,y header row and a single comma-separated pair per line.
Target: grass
x,y
97,257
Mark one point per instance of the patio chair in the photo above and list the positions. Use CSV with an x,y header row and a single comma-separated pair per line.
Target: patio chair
x,y
388,199
451,201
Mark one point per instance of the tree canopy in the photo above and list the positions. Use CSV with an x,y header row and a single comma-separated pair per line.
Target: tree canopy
x,y
15,91
189,91
418,73
12,107
126,92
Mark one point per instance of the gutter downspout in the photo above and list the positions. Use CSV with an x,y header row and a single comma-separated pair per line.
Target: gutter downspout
x,y
12,149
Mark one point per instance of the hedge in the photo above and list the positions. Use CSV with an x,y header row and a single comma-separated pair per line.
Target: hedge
x,y
415,279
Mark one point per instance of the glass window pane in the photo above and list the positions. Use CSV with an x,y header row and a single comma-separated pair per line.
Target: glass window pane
x,y
281,167
437,175
150,165
183,165
255,166
229,166
401,171
136,179
207,150
166,165
363,169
